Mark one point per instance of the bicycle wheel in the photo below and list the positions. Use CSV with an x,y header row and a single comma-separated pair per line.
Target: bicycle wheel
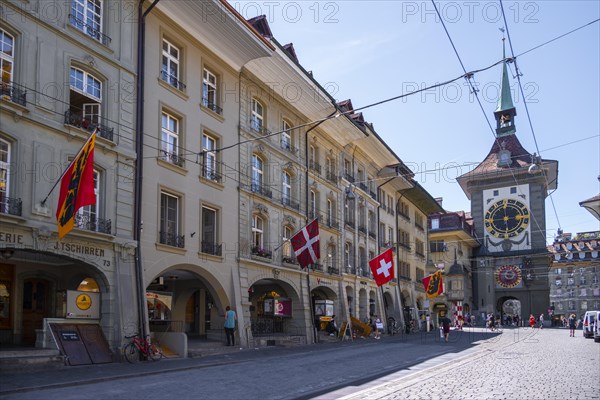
x,y
154,352
131,353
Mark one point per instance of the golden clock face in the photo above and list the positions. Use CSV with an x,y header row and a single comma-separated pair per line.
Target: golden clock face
x,y
507,218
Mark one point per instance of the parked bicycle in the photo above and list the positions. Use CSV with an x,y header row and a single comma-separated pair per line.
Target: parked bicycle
x,y
138,346
394,327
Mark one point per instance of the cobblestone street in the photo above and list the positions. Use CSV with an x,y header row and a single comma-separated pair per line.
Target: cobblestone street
x,y
521,364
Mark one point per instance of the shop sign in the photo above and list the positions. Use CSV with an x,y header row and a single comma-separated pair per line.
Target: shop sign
x,y
323,282
83,305
11,238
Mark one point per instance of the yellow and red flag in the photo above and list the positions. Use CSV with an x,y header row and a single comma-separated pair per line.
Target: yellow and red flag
x,y
433,284
76,187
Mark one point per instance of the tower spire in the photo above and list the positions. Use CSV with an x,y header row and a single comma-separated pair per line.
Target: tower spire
x,y
505,111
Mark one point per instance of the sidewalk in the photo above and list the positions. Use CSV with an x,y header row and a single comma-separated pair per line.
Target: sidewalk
x,y
34,379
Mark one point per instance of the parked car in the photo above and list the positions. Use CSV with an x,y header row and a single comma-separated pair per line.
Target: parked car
x,y
590,324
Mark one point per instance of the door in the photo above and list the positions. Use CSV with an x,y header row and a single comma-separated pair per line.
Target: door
x,y
36,296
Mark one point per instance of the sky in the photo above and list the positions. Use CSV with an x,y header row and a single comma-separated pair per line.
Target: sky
x,y
368,51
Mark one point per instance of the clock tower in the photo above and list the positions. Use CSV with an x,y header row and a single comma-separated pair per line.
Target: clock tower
x,y
508,190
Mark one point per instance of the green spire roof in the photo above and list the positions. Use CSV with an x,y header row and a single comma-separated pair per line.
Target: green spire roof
x,y
505,100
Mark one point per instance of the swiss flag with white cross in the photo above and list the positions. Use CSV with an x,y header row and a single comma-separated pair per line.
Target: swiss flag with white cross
x,y
382,267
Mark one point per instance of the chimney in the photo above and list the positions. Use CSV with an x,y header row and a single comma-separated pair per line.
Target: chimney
x,y
439,200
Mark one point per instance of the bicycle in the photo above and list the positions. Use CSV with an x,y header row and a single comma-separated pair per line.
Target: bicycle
x,y
139,346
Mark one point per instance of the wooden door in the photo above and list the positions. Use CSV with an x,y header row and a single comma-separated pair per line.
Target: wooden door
x,y
36,299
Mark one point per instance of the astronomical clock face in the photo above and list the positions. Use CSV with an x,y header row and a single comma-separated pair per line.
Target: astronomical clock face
x,y
508,276
507,218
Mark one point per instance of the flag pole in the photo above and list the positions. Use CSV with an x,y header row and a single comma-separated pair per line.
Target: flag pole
x,y
43,203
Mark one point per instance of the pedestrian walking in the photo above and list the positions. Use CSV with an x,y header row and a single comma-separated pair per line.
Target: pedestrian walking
x,y
531,321
446,327
378,325
572,325
229,325
541,320
332,327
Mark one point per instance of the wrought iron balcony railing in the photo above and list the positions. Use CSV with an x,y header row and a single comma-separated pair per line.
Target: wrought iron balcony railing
x,y
349,223
8,91
172,239
257,126
373,195
331,222
94,224
261,189
349,178
316,267
315,166
362,229
173,158
211,174
261,252
286,145
77,120
331,176
363,186
212,106
90,30
11,206
289,260
172,80
286,201
372,234
211,248
333,270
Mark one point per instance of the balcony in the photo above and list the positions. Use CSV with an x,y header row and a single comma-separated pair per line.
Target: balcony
x,y
348,177
364,271
316,267
11,206
91,223
373,195
257,126
372,234
350,224
331,176
315,167
77,120
313,214
331,222
211,248
211,174
333,270
172,239
261,254
403,215
363,186
286,201
212,106
261,189
362,229
404,246
90,30
172,80
289,260
287,146
173,158
9,92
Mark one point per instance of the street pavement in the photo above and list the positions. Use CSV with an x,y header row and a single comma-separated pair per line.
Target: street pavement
x,y
525,363
517,364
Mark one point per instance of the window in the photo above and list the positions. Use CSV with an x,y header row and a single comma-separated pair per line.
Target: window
x,y
348,254
287,245
371,221
513,190
85,102
86,15
420,274
4,175
419,248
390,235
209,91
404,239
209,164
349,212
88,217
170,220
171,57
404,210
286,136
257,117
419,221
330,212
210,234
286,194
331,173
348,171
313,204
257,232
332,258
7,59
437,246
435,223
257,173
313,159
170,139
404,269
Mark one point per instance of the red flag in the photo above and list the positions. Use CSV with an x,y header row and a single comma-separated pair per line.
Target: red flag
x,y
433,284
382,267
306,244
76,187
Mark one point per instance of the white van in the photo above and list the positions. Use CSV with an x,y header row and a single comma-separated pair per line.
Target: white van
x,y
591,320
